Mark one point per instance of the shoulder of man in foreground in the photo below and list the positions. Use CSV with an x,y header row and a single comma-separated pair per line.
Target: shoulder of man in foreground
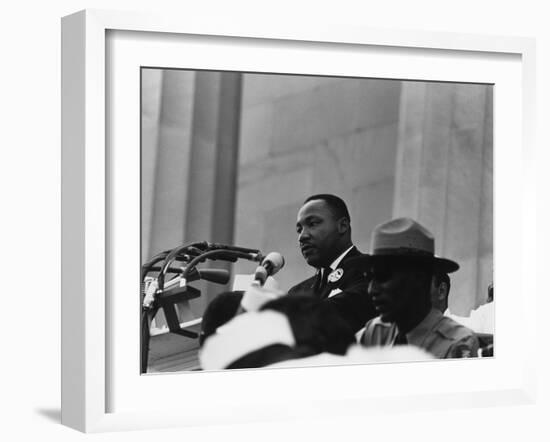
x,y
448,339
464,340
376,333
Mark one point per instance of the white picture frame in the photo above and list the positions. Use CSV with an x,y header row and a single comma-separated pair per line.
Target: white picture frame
x,y
87,210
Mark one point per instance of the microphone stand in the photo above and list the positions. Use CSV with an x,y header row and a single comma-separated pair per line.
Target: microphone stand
x,y
167,300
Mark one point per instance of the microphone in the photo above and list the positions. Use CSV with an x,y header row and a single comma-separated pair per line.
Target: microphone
x,y
216,246
257,295
218,276
271,264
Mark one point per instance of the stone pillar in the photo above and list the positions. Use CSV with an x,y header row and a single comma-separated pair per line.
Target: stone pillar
x,y
151,87
190,139
303,135
213,165
166,105
169,158
444,178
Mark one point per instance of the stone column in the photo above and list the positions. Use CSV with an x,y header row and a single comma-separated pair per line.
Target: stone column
x,y
190,140
166,151
166,104
151,87
213,164
444,178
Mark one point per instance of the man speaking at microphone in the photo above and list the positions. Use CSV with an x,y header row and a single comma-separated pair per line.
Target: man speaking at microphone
x,y
324,235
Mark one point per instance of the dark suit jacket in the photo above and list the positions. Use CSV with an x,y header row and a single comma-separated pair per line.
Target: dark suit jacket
x,y
353,303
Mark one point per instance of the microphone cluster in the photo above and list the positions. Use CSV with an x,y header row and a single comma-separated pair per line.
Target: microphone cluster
x,y
157,292
270,265
189,256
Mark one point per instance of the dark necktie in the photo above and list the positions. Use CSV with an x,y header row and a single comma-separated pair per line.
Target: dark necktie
x,y
323,279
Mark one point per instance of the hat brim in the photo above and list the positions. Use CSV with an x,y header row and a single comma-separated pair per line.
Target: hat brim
x,y
441,265
445,265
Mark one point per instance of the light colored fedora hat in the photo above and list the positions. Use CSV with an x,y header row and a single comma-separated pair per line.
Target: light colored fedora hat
x,y
404,237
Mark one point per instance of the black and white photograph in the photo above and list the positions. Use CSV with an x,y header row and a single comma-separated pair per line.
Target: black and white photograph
x,y
275,221
302,221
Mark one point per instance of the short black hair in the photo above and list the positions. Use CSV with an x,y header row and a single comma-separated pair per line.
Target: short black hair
x,y
316,325
336,204
440,277
220,310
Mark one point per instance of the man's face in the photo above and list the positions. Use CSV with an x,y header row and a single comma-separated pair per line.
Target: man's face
x,y
439,292
396,289
320,235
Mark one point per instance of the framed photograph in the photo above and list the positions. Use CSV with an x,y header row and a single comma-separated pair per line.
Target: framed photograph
x,y
212,137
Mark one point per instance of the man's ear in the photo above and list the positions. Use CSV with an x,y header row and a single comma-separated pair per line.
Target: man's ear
x,y
343,225
442,291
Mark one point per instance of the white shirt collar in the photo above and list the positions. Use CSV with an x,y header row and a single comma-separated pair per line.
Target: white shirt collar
x,y
335,263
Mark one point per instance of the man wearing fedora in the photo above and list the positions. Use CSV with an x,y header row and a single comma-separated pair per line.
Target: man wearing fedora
x,y
324,236
402,264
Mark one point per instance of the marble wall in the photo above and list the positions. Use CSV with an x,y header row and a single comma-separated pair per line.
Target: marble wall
x,y
190,126
388,148
444,178
167,109
307,135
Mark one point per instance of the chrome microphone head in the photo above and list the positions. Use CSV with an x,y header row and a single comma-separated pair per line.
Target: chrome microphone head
x,y
273,262
261,274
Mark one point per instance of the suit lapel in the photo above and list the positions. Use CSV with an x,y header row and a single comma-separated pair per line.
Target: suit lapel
x,y
324,294
311,285
337,284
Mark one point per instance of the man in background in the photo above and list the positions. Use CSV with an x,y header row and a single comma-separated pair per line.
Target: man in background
x,y
480,320
441,285
324,236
